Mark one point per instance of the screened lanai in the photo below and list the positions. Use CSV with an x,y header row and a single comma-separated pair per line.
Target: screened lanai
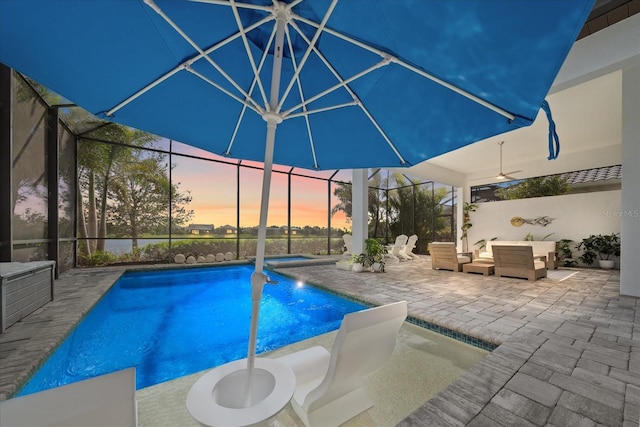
x,y
126,196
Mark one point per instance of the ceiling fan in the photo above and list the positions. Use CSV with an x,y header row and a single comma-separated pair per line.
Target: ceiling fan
x,y
501,176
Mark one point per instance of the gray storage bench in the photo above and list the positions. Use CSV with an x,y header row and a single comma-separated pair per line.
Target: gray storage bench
x,y
26,286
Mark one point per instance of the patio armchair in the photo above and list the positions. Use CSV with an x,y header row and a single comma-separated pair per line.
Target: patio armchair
x,y
518,261
445,257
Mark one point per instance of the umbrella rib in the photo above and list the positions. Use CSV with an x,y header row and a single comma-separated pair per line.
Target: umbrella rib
x,y
410,67
186,64
248,50
321,110
239,4
193,44
356,100
223,90
144,90
244,107
293,4
384,135
299,84
308,51
342,83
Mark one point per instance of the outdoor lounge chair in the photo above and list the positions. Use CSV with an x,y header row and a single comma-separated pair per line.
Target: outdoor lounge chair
x,y
329,386
445,257
518,261
393,251
107,400
406,252
348,244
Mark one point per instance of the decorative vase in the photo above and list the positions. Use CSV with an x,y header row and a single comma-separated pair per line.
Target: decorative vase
x,y
606,263
357,267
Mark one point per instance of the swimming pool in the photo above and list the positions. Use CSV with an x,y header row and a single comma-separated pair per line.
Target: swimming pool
x,y
171,323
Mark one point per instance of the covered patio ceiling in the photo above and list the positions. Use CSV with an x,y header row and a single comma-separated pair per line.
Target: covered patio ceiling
x,y
586,103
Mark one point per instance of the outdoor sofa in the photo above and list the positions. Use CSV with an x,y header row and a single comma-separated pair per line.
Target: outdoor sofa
x,y
547,249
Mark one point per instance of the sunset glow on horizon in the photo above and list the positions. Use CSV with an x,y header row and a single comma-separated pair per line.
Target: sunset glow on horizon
x,y
214,192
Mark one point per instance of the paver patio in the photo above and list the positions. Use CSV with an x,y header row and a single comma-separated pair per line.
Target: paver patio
x,y
569,350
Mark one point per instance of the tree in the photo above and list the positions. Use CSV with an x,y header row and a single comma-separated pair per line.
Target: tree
x,y
415,209
376,199
343,192
97,166
535,187
140,198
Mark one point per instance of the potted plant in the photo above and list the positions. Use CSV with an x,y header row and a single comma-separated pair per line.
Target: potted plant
x,y
482,243
600,247
345,264
358,263
565,254
467,208
374,255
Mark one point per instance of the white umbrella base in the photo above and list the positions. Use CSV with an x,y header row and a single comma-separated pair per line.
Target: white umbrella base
x,y
219,397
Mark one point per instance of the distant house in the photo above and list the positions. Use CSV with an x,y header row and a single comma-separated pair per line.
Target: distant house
x,y
294,230
200,228
227,229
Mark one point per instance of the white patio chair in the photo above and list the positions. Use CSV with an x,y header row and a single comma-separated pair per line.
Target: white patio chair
x,y
406,252
329,386
107,400
393,250
348,243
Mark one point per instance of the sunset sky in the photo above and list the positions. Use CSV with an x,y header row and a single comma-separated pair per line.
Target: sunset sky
x,y
213,187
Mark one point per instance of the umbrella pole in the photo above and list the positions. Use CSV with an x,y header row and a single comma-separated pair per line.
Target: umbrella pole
x,y
258,278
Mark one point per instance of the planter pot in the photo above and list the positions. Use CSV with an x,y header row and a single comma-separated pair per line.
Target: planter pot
x,y
606,263
357,268
376,267
344,265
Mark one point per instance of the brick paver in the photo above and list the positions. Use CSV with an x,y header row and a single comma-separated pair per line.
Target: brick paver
x,y
569,351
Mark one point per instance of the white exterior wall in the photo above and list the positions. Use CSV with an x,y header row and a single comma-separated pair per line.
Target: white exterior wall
x,y
576,216
630,251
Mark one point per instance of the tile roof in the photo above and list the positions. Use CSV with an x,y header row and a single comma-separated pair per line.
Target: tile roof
x,y
595,174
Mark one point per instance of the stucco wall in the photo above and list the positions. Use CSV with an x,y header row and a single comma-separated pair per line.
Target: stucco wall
x,y
575,216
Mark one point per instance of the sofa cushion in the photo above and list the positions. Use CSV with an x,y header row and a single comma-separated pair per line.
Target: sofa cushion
x,y
539,247
542,247
539,264
463,259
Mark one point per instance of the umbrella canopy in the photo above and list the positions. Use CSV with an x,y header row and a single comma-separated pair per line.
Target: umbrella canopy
x,y
347,84
387,83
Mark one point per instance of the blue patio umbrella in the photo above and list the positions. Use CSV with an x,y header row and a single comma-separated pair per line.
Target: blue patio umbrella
x,y
346,84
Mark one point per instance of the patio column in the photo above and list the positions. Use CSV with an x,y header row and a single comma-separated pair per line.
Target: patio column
x,y
630,213
359,209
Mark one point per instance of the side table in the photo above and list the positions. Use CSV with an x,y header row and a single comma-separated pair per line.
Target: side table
x,y
479,267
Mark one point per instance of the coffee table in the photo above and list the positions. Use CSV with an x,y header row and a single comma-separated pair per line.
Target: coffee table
x,y
479,267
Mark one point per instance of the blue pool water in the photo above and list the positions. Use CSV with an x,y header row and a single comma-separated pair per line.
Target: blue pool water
x,y
173,323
